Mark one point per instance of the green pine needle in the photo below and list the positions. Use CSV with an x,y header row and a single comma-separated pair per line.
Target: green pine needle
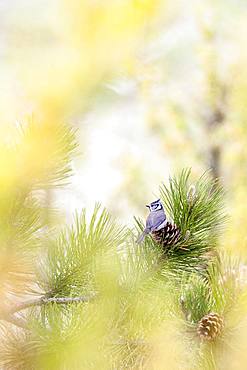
x,y
201,213
71,262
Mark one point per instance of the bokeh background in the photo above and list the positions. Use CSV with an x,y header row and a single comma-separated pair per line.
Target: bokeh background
x,y
152,86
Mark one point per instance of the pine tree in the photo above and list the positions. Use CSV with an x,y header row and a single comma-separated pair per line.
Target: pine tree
x,y
89,297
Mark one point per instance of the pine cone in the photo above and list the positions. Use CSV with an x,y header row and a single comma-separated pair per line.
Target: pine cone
x,y
210,326
167,236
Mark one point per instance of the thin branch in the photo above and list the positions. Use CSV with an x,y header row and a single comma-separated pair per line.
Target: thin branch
x,y
43,300
10,316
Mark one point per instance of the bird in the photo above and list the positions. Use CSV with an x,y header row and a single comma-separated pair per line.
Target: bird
x,y
156,219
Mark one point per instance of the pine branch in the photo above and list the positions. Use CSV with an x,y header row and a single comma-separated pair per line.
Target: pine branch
x,y
70,264
10,316
43,301
197,212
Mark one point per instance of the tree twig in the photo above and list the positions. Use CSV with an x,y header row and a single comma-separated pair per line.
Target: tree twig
x,y
9,314
44,300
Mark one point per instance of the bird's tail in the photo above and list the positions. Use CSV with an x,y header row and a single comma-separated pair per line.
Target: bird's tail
x,y
141,237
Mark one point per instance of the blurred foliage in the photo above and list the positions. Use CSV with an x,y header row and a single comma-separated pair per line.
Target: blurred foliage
x,y
192,83
137,307
80,44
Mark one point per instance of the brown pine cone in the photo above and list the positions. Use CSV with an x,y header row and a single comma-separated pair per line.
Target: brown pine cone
x,y
167,236
210,326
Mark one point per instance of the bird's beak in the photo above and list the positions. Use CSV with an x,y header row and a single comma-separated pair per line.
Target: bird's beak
x,y
147,206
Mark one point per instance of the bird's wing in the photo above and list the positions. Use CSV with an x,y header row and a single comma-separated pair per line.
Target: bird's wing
x,y
157,219
149,222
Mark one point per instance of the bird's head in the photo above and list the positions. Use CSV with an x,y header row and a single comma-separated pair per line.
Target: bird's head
x,y
155,206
